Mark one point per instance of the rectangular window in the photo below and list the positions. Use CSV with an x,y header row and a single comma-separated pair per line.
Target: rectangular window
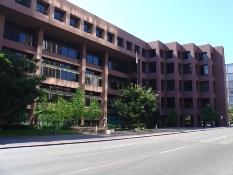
x,y
137,49
74,21
204,69
42,7
170,102
120,42
202,56
161,53
169,54
59,14
187,68
204,86
26,3
188,103
144,53
170,85
94,59
99,32
152,67
129,45
117,65
18,34
188,85
152,84
184,55
110,37
152,53
169,68
87,27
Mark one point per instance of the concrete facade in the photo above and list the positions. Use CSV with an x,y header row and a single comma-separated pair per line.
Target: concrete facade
x,y
187,77
229,79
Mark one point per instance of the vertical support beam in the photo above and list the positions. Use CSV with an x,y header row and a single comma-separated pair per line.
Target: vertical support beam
x,y
39,46
140,71
2,23
103,120
83,67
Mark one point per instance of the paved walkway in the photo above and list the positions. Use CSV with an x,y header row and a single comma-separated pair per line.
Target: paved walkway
x,y
20,142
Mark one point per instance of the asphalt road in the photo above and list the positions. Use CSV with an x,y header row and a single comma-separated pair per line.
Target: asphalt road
x,y
198,153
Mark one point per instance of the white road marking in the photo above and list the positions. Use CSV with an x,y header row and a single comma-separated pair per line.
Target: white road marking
x,y
103,164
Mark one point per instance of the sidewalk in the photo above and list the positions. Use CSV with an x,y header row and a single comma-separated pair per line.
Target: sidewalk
x,y
22,142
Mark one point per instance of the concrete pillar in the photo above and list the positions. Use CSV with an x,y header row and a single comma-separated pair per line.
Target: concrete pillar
x,y
39,46
103,120
83,67
2,23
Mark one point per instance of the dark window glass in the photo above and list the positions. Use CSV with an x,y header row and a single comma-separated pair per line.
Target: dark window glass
x,y
152,53
117,82
74,21
129,45
204,86
169,68
18,34
204,69
67,50
170,102
169,54
152,67
120,42
94,59
137,49
187,68
99,32
202,56
188,85
161,53
188,103
87,27
184,55
116,64
110,37
170,85
152,84
42,7
59,15
25,3
144,53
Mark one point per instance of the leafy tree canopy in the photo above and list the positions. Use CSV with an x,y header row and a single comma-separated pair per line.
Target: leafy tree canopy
x,y
18,87
135,104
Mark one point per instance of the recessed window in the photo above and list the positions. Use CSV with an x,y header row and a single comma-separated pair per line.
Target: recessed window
x,y
152,67
74,21
59,14
170,85
42,7
26,3
137,49
144,54
187,68
202,56
87,27
93,58
99,32
188,103
129,45
152,53
110,37
169,68
184,55
204,69
169,54
188,85
120,42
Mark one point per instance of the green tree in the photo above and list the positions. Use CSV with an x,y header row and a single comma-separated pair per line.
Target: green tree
x,y
94,110
230,114
208,115
78,105
135,105
18,87
171,118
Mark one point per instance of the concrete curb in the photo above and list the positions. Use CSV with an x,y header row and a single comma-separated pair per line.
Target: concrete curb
x,y
101,140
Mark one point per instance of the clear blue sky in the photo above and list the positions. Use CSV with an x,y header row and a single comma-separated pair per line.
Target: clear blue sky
x,y
185,21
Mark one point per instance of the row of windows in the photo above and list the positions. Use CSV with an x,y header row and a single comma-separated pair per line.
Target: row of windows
x,y
60,48
18,34
184,102
59,71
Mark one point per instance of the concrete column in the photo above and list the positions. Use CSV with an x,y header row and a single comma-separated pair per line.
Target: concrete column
x,y
103,120
83,67
39,46
2,23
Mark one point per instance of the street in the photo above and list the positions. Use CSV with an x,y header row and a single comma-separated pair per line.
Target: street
x,y
196,153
